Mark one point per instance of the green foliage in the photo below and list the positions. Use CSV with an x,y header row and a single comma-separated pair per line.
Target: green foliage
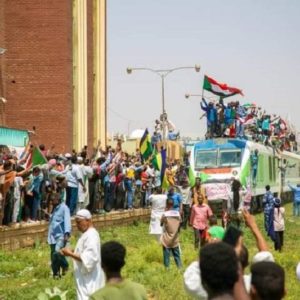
x,y
26,273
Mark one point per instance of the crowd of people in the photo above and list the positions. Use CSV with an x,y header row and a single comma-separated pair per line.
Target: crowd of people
x,y
218,273
111,179
247,121
77,185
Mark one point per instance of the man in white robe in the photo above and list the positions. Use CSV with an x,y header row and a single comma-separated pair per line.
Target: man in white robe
x,y
158,202
83,195
88,274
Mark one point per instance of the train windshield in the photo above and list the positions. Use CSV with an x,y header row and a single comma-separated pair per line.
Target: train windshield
x,y
206,159
230,158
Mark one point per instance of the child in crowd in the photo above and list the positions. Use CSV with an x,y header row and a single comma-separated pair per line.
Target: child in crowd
x,y
215,232
278,224
170,238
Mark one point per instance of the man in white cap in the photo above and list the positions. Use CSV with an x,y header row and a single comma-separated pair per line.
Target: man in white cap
x,y
89,276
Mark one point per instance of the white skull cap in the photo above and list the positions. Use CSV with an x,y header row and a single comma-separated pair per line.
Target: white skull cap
x,y
83,214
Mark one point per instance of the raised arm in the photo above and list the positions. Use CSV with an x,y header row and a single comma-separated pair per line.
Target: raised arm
x,y
251,223
203,107
290,186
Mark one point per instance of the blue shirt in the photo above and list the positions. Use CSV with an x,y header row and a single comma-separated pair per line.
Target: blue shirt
x,y
36,183
254,161
268,201
74,174
59,224
296,191
211,112
241,111
177,199
265,124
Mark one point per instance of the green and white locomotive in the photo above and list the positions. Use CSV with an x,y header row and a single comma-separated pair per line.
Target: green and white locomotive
x,y
218,161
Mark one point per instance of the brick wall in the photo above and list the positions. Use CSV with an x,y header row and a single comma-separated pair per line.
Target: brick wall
x,y
38,68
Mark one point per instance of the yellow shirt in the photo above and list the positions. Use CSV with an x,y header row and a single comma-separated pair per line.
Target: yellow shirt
x,y
130,173
196,192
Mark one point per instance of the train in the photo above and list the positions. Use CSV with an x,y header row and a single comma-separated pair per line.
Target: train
x,y
217,161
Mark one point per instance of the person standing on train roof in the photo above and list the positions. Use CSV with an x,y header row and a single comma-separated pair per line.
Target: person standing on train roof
x,y
211,117
240,119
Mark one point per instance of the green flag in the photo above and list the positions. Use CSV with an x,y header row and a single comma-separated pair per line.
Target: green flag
x,y
204,177
145,145
192,178
157,160
37,157
165,183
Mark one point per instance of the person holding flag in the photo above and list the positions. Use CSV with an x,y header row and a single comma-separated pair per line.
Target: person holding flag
x,y
211,117
224,91
145,145
35,192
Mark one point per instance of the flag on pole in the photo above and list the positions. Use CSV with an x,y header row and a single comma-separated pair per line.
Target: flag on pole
x,y
165,183
163,155
163,177
25,151
35,158
220,89
157,160
192,178
145,145
204,177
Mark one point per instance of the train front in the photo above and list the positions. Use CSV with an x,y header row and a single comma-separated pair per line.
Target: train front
x,y
217,162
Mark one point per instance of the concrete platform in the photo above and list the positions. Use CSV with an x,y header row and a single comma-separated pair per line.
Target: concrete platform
x,y
27,235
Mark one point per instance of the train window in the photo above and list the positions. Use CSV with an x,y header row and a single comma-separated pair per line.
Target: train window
x,y
230,158
206,159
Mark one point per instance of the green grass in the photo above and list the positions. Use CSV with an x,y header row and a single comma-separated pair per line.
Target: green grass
x,y
25,273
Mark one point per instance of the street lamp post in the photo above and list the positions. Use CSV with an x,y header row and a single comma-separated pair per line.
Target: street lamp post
x,y
163,74
192,95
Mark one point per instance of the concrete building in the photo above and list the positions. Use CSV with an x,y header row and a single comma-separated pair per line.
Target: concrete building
x,y
53,73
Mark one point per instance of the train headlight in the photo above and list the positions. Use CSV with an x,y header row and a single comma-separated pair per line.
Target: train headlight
x,y
234,173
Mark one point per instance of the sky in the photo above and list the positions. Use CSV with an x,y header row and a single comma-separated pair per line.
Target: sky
x,y
253,45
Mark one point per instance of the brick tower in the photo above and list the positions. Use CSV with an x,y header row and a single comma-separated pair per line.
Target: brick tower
x,y
53,73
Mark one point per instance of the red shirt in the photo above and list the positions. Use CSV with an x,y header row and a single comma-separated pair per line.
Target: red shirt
x,y
200,215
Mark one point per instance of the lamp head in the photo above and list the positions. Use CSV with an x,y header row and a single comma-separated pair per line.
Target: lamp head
x,y
197,68
129,70
3,99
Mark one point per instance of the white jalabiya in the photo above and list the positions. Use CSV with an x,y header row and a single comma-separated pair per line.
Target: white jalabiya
x,y
158,208
83,197
88,273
